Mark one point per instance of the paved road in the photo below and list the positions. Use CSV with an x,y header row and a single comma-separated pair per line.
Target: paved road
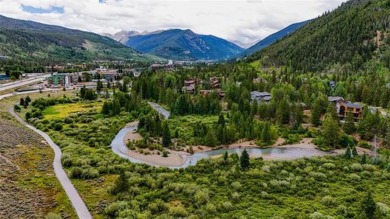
x,y
160,110
26,92
11,85
77,202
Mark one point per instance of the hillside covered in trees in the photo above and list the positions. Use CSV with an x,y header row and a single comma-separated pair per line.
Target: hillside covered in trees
x,y
32,41
356,32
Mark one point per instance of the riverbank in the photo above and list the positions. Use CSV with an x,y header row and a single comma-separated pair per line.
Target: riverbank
x,y
178,159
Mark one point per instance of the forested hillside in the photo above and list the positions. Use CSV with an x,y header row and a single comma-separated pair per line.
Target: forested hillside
x,y
351,35
27,40
272,38
184,45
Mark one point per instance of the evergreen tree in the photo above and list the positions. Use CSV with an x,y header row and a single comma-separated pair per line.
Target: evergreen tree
x,y
348,153
221,120
266,133
244,160
364,158
21,102
99,86
166,138
368,206
116,107
26,104
354,151
331,132
349,125
316,114
28,99
210,139
105,108
225,156
331,110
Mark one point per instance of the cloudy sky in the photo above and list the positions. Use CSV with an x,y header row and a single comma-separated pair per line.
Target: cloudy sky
x,y
241,21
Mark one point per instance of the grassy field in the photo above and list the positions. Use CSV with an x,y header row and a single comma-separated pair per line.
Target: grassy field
x,y
29,188
61,111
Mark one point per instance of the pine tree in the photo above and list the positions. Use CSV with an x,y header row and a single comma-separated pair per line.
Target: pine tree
x,y
266,133
105,108
99,86
210,139
221,120
364,158
28,99
368,206
225,156
166,138
316,114
244,160
348,153
354,151
21,102
331,110
349,125
331,132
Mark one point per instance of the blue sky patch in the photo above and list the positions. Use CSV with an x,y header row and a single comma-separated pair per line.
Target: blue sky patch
x,y
53,9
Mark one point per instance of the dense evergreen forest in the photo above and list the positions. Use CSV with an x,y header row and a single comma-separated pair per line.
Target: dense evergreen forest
x,y
342,40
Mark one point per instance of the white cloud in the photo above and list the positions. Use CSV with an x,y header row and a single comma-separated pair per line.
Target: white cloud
x,y
245,21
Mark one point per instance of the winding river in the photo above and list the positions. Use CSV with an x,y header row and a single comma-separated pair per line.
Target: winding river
x,y
280,153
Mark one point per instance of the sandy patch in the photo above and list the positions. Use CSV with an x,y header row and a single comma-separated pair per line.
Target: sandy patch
x,y
174,159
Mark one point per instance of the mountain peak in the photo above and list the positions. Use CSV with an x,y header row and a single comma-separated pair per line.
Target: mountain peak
x,y
182,44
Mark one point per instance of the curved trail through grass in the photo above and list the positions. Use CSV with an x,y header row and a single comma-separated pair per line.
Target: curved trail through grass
x,y
75,198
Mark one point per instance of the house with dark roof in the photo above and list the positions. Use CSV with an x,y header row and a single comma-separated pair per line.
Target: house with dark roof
x,y
346,107
260,96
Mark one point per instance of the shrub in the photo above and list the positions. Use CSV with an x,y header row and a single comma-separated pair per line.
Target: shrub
x,y
235,196
369,167
342,210
236,186
53,216
90,173
318,215
356,167
57,127
201,197
329,166
353,177
210,208
226,206
178,211
383,209
264,195
113,209
317,175
328,201
76,173
158,206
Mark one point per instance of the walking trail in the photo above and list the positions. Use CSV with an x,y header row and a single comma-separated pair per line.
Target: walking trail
x,y
74,197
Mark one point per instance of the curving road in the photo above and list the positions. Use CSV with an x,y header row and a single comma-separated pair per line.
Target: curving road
x,y
74,197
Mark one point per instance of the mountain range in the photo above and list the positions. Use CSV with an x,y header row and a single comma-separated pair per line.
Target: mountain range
x,y
272,38
347,38
28,40
179,44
